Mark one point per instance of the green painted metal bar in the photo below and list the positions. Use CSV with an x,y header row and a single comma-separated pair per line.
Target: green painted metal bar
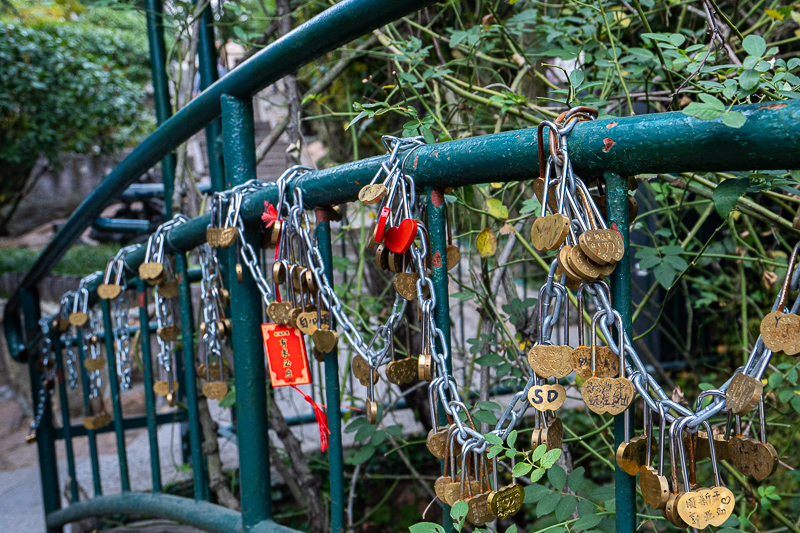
x,y
121,225
149,396
246,315
625,485
45,434
158,69
66,429
202,515
90,434
113,384
133,422
340,24
332,392
207,68
437,231
199,468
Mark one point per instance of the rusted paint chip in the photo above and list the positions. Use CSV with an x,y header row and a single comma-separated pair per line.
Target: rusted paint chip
x,y
437,260
416,160
611,125
437,197
609,143
772,107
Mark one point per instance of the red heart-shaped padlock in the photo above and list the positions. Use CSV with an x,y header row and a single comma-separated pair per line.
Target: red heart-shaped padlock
x,y
381,229
399,238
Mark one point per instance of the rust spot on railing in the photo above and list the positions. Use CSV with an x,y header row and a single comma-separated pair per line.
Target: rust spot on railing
x,y
609,143
772,107
437,197
436,260
611,125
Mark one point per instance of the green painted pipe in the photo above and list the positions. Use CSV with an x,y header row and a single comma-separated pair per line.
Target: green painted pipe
x,y
624,484
340,24
246,315
332,389
128,423
113,384
158,69
66,429
121,225
437,231
202,515
45,434
207,63
91,435
199,468
149,397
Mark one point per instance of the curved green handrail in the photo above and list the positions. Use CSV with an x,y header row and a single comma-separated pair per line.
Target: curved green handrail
x,y
332,28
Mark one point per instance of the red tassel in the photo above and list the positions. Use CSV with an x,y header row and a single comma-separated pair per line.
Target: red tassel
x,y
322,420
277,249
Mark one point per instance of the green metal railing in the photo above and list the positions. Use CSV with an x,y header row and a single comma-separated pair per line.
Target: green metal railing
x,y
663,143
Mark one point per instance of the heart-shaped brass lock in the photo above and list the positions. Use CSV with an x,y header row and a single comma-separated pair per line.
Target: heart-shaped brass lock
x,y
507,501
549,361
372,194
547,397
161,388
151,271
631,455
360,368
279,312
168,289
108,291
436,441
706,507
655,488
603,246
453,255
607,395
743,394
94,363
101,420
606,362
307,322
227,236
582,265
405,284
478,510
212,237
552,195
549,232
781,332
401,372
553,435
78,319
753,458
168,333
325,340
215,390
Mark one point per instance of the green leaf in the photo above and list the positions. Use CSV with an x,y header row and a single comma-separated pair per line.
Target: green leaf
x,y
575,479
677,39
728,193
362,455
701,111
550,458
557,477
490,359
512,528
576,78
495,450
426,527
355,424
604,493
712,101
665,275
534,493
749,79
587,521
487,417
364,432
512,438
521,469
459,513
537,474
566,507
649,262
734,119
496,208
358,117
547,504
671,249
531,205
754,45
678,263
492,438
488,406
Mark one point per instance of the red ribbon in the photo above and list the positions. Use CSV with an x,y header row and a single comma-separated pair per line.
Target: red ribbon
x,y
322,420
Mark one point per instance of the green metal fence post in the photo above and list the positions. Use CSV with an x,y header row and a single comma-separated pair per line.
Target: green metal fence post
x,y
207,59
45,434
617,194
113,384
246,310
149,396
332,388
158,68
199,469
65,419
437,230
90,434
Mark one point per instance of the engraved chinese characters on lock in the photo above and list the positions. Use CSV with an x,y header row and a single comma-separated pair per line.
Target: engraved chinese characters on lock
x,y
608,395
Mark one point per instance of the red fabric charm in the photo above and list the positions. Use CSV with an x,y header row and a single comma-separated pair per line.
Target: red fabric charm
x,y
286,355
322,420
270,215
